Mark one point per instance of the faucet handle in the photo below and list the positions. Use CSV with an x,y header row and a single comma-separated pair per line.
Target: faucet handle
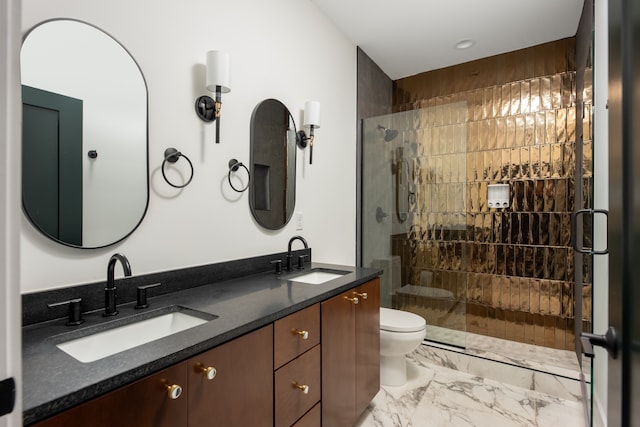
x,y
278,264
301,261
75,315
142,295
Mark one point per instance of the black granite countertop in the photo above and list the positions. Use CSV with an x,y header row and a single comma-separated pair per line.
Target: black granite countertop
x,y
54,381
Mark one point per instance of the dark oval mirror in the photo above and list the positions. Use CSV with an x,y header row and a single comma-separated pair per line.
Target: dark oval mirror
x,y
85,152
272,193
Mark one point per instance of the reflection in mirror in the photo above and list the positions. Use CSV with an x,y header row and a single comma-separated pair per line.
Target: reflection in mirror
x,y
272,190
85,164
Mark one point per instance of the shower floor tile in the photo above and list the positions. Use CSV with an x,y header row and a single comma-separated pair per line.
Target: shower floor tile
x,y
437,396
558,362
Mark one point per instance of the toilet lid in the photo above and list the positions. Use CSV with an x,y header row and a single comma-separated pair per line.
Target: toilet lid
x,y
400,321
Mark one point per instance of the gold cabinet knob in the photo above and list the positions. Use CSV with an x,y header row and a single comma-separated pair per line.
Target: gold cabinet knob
x,y
209,372
354,300
363,295
302,387
303,334
174,391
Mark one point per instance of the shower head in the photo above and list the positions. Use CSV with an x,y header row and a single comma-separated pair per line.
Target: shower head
x,y
389,134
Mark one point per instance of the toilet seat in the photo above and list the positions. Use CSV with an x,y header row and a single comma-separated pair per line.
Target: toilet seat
x,y
400,321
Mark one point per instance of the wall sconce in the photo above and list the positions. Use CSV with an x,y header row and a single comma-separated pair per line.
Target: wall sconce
x,y
311,119
218,77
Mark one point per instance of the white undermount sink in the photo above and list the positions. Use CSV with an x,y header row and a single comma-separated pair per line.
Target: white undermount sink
x,y
105,343
317,277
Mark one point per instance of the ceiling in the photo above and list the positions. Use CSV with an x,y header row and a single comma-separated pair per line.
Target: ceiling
x,y
407,37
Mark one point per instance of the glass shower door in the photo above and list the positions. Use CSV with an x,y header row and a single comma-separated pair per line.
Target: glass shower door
x,y
413,216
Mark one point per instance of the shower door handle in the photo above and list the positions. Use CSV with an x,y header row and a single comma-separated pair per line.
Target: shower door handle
x,y
574,231
7,396
609,341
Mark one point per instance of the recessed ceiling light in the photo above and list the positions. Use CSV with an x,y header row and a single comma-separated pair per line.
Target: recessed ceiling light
x,y
465,44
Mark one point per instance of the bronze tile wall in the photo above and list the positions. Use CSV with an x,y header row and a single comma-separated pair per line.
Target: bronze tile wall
x,y
505,119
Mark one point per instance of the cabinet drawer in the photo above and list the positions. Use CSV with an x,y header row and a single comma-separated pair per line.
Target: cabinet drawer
x,y
289,335
291,401
311,418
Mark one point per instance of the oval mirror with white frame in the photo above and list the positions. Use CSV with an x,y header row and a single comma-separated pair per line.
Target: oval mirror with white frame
x,y
85,168
272,191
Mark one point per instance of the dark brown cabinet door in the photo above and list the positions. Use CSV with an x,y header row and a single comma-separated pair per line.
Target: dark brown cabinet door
x,y
367,344
338,316
241,393
144,403
350,353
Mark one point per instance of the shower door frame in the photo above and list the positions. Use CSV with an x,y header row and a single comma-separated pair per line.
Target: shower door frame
x,y
584,232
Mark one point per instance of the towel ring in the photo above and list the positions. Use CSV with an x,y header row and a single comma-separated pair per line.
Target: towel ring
x,y
234,165
172,155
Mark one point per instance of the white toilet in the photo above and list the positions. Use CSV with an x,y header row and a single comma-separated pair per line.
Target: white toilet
x,y
401,332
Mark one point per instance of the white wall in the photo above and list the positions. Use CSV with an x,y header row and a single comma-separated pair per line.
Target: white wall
x,y
284,49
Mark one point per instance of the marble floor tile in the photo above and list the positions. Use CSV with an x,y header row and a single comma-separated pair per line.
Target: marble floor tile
x,y
499,370
559,362
437,396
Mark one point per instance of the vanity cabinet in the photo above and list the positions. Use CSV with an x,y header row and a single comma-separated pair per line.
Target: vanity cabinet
x,y
145,402
239,394
317,366
350,353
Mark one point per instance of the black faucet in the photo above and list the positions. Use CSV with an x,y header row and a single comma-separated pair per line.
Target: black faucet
x,y
110,290
304,242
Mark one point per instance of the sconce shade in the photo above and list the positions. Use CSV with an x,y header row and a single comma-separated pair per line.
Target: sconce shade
x,y
312,114
218,71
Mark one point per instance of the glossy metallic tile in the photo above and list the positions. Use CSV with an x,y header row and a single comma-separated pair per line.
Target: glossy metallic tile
x,y
505,98
587,163
535,95
561,195
567,299
541,128
543,234
525,97
549,331
561,125
568,89
571,124
525,162
524,297
545,161
556,91
534,154
487,103
545,300
587,124
520,136
560,333
510,123
545,94
529,129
